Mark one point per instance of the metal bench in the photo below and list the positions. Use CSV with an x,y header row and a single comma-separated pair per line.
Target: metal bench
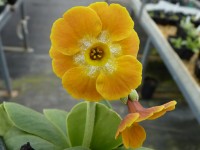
x,y
5,15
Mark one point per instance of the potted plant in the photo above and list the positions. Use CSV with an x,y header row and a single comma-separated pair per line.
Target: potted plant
x,y
173,18
159,16
183,51
175,42
195,20
184,28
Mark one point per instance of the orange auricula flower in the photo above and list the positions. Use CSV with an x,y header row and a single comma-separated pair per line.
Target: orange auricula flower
x,y
94,52
133,135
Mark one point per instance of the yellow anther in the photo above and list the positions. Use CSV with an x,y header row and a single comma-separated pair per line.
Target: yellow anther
x,y
99,51
94,57
92,54
99,56
93,51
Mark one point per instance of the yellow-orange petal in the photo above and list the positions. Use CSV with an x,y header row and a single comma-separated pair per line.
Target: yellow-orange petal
x,y
81,86
134,136
84,21
130,45
63,38
127,76
145,113
115,19
55,54
77,23
60,63
126,122
170,105
148,113
167,107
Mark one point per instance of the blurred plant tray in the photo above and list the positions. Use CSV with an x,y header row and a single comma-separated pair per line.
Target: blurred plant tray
x,y
169,30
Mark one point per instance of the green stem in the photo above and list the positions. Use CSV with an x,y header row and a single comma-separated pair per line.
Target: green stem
x,y
89,125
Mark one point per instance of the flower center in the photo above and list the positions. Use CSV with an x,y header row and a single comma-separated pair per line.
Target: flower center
x,y
96,53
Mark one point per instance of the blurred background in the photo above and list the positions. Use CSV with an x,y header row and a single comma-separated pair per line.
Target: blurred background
x,y
169,50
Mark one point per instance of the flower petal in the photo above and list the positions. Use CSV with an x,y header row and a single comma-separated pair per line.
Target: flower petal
x,y
55,54
126,77
84,21
126,122
133,136
170,105
60,63
115,19
80,85
145,113
167,107
130,45
77,23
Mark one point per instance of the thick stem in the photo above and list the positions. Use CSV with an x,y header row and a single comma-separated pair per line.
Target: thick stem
x,y
89,126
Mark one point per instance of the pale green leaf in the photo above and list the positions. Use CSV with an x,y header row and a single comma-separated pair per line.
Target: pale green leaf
x,y
57,118
105,127
5,123
76,124
34,123
15,138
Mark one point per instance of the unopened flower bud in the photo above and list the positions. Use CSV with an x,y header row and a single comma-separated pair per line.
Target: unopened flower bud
x,y
133,96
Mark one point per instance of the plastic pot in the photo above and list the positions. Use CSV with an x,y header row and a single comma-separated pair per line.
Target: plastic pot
x,y
148,88
184,53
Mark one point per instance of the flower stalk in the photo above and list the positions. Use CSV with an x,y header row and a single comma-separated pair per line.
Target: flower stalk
x,y
89,126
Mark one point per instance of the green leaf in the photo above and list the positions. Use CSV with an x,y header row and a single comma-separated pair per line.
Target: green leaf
x,y
105,127
34,123
77,148
5,123
76,124
15,138
57,118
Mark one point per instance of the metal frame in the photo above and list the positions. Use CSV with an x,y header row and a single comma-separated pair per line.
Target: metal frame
x,y
4,18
